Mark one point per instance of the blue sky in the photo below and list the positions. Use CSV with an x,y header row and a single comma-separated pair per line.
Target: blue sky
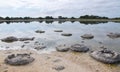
x,y
36,8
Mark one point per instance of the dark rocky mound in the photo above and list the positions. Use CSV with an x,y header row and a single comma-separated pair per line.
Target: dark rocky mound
x,y
79,48
9,39
114,35
19,59
58,30
26,39
62,48
106,56
40,31
87,36
66,34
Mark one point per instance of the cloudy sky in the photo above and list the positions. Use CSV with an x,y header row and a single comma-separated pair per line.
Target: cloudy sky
x,y
35,8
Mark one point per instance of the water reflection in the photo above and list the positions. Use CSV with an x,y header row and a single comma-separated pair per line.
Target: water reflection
x,y
59,22
93,22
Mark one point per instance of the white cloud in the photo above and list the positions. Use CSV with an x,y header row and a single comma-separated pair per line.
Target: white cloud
x,y
58,7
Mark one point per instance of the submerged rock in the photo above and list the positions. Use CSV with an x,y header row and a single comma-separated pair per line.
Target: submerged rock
x,y
39,47
40,31
26,39
9,39
79,48
62,48
114,35
87,36
12,39
106,56
58,30
66,34
19,59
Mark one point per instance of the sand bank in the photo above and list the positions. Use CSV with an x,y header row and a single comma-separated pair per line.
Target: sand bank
x,y
73,62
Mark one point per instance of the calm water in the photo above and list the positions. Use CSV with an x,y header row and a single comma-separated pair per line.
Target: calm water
x,y
51,39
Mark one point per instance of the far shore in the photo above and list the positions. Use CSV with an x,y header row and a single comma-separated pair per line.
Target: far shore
x,y
18,20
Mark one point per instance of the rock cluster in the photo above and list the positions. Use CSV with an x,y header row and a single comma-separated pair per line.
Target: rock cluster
x,y
114,35
59,68
39,31
106,56
87,36
79,48
26,39
75,48
66,34
19,59
62,48
13,39
58,30
9,39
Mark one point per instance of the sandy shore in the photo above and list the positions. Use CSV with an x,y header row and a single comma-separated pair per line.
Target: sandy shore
x,y
73,62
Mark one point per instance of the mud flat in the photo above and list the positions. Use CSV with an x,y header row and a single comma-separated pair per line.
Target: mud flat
x,y
56,62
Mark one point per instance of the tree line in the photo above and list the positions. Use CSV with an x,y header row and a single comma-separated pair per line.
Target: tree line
x,y
59,17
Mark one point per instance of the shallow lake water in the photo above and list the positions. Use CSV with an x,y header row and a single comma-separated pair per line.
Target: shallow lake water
x,y
52,39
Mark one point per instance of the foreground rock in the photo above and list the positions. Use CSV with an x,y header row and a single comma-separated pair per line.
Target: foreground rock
x,y
59,68
40,31
87,36
106,56
58,30
62,48
9,39
26,39
66,34
19,59
79,48
114,35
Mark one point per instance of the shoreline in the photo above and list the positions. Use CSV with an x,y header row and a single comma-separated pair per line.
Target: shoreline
x,y
73,62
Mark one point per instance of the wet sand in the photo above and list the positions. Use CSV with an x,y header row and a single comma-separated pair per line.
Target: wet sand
x,y
73,62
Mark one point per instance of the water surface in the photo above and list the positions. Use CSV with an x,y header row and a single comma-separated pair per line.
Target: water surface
x,y
51,39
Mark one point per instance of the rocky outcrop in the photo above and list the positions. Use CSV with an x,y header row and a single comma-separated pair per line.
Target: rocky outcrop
x,y
39,31
106,56
9,39
114,35
59,68
19,59
26,39
66,34
39,47
62,48
13,39
87,36
79,48
58,30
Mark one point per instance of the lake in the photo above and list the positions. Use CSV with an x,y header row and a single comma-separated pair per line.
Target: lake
x,y
52,39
